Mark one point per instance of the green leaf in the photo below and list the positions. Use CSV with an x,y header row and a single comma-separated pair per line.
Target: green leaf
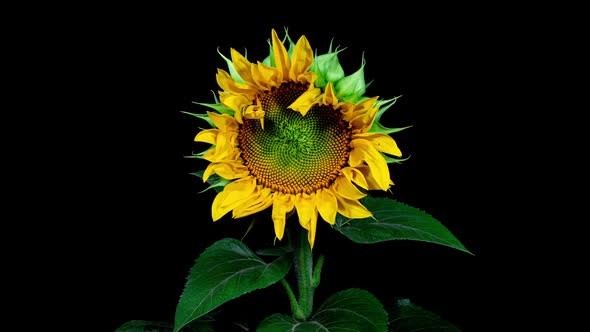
x,y
393,220
280,323
279,251
199,325
224,271
351,310
408,317
145,326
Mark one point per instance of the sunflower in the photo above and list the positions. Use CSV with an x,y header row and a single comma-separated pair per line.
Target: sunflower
x,y
295,134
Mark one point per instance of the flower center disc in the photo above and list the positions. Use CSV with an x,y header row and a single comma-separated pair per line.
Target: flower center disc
x,y
294,153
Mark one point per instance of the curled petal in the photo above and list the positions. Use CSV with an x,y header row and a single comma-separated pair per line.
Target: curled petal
x,y
234,101
260,200
266,77
372,183
327,205
224,122
243,67
226,170
329,97
305,206
345,188
362,115
306,101
381,142
207,136
233,195
227,83
354,175
301,60
351,208
254,112
308,214
282,61
364,151
282,205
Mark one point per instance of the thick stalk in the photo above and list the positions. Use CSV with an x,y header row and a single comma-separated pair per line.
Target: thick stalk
x,y
304,271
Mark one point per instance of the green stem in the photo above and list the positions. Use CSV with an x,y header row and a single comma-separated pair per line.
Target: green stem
x,y
295,309
304,271
317,270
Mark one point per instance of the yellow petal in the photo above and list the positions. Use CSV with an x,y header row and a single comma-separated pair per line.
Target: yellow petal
x,y
227,83
327,205
222,153
225,122
259,200
242,66
225,147
373,185
305,205
227,141
301,60
382,142
306,100
254,112
363,150
226,170
363,122
307,214
355,176
282,61
329,97
352,209
235,102
345,188
207,136
312,229
233,195
282,204
362,115
266,77
366,105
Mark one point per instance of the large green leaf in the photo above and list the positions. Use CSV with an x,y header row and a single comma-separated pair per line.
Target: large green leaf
x,y
199,325
351,310
145,326
224,271
393,220
408,317
284,323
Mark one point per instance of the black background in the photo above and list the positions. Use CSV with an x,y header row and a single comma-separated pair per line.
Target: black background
x,y
134,220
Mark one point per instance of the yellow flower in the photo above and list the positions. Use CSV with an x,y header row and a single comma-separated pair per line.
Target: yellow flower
x,y
294,134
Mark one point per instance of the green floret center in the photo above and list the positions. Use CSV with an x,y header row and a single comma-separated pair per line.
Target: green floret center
x,y
294,153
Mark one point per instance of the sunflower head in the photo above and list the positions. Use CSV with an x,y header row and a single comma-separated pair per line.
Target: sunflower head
x,y
294,134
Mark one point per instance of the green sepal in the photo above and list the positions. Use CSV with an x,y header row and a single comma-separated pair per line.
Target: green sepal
x,y
216,182
352,87
327,67
377,127
219,107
